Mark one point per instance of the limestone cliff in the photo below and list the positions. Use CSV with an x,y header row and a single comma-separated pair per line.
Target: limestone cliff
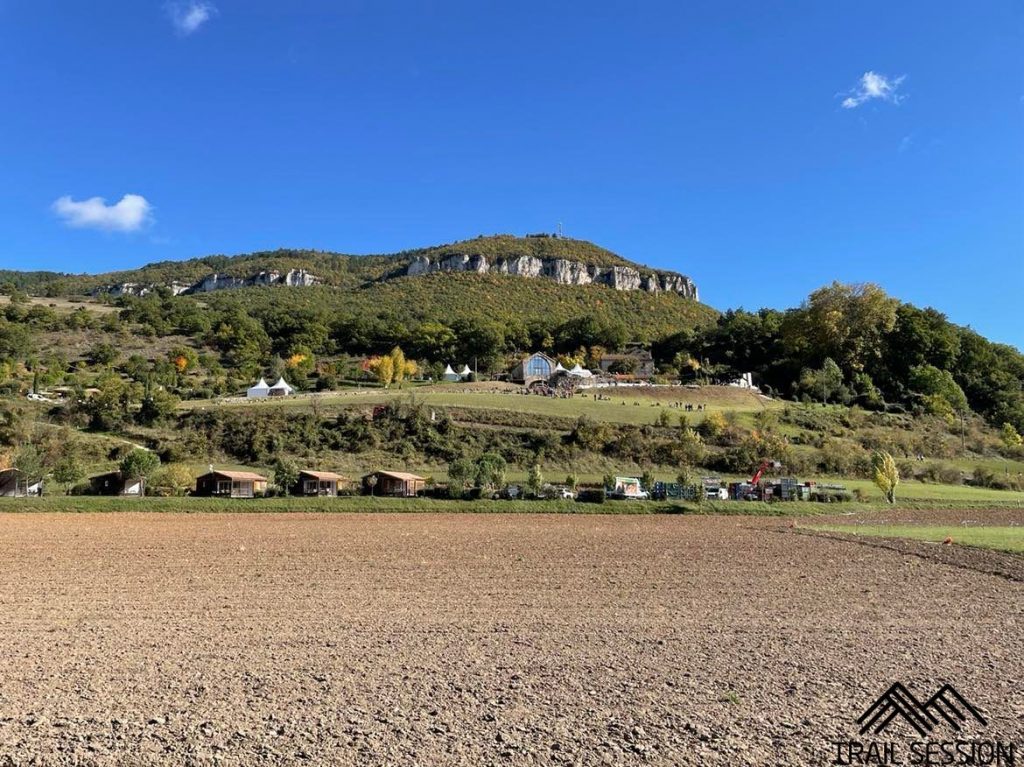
x,y
562,271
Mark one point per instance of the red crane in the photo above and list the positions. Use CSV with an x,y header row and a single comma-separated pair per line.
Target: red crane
x,y
761,469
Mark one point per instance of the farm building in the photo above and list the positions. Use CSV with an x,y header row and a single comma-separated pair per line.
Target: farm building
x,y
318,483
114,483
394,483
636,361
231,484
14,485
537,367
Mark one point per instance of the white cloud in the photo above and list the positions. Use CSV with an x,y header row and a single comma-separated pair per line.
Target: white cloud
x,y
188,17
873,85
129,215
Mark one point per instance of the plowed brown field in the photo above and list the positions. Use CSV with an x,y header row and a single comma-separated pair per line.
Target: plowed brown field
x,y
142,639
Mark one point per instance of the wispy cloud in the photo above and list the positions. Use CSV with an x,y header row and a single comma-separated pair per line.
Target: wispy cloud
x,y
873,85
129,215
188,17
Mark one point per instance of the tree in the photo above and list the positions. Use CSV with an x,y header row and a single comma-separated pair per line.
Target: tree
x,y
1010,437
183,358
68,471
942,395
15,340
29,461
824,382
174,480
397,366
534,479
572,481
157,406
886,474
647,481
286,474
461,472
845,322
383,368
490,470
139,464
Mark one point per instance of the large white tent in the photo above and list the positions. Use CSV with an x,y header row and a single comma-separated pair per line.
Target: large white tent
x,y
579,372
281,388
465,372
559,368
259,391
449,374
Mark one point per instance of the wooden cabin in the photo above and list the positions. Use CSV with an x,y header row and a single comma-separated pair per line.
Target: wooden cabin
x,y
14,485
231,484
114,483
318,483
396,484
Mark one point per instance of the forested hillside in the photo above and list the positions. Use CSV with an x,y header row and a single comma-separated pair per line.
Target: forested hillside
x,y
333,269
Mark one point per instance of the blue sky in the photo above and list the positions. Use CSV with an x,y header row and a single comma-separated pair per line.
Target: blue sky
x,y
744,144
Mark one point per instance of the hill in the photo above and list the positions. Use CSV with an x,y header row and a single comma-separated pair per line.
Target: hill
x,y
560,259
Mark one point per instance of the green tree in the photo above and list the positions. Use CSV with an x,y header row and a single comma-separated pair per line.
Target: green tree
x,y
942,395
68,471
139,464
490,471
886,474
534,479
461,472
286,475
824,382
158,406
30,462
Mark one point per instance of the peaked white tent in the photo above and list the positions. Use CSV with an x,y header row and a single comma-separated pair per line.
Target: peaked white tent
x,y
258,391
449,374
579,372
559,368
281,388
465,372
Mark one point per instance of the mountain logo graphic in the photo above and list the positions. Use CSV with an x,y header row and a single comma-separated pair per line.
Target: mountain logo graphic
x,y
947,705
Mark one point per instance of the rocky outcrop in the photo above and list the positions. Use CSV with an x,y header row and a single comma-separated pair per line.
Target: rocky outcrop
x,y
296,278
562,271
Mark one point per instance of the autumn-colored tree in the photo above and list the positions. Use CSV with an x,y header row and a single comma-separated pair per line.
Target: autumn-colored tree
x,y
886,474
397,366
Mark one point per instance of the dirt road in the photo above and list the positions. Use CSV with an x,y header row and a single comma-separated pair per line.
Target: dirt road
x,y
462,639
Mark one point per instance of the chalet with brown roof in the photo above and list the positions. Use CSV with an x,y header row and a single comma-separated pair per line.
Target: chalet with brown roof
x,y
396,484
318,483
231,484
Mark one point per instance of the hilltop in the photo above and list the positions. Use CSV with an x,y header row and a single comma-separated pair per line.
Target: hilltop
x,y
562,260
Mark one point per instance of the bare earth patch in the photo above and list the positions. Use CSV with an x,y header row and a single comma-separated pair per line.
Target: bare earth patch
x,y
461,639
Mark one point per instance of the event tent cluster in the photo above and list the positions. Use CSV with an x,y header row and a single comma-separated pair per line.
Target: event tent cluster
x,y
262,390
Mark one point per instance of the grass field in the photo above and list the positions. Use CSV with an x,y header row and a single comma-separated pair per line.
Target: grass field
x,y
1009,539
359,504
633,406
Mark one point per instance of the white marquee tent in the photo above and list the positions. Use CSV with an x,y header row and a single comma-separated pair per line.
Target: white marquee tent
x,y
449,374
281,388
579,372
465,372
258,391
